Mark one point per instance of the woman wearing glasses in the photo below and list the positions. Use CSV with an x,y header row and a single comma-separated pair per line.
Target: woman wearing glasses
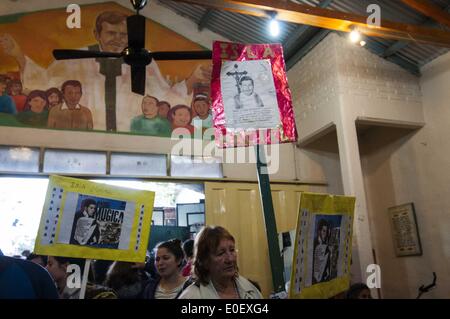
x,y
215,268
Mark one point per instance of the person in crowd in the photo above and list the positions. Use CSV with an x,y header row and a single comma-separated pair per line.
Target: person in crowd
x,y
150,123
359,291
54,97
126,279
38,259
35,110
163,109
168,263
15,90
188,249
180,117
23,279
57,267
6,102
215,268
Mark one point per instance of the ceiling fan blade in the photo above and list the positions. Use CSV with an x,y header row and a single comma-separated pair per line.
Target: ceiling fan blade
x,y
138,79
182,55
136,31
83,54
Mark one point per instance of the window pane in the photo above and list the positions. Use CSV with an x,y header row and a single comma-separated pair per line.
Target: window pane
x,y
158,218
61,161
22,201
19,159
138,165
187,166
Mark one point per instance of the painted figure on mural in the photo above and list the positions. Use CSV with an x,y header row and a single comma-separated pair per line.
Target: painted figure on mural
x,y
6,102
35,112
54,97
15,90
106,81
201,106
70,114
150,123
247,97
163,109
180,117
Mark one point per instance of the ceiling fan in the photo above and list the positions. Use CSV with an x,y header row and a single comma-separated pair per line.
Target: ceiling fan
x,y
135,53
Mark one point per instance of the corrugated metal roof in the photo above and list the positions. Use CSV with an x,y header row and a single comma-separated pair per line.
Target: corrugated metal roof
x,y
249,29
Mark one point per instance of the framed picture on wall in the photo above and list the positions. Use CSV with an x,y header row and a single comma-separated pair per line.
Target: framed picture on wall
x,y
405,230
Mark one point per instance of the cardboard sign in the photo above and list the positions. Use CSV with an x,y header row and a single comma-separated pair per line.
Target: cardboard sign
x,y
90,220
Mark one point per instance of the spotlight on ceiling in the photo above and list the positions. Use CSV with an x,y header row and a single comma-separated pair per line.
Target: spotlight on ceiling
x,y
274,26
355,36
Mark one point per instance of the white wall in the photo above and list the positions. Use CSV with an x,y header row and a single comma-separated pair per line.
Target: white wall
x,y
415,168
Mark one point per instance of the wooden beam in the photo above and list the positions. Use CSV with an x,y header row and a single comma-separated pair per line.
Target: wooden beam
x,y
328,19
430,10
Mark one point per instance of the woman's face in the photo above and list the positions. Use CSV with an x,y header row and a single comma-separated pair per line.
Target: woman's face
x,y
181,117
53,99
223,262
166,263
37,104
149,107
57,271
163,110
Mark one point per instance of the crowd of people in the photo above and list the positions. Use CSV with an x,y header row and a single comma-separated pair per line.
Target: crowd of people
x,y
202,269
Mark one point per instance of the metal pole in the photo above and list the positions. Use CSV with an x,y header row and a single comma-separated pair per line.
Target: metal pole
x,y
276,262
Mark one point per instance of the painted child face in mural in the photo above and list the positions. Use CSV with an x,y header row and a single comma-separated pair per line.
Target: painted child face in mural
x,y
72,96
16,88
2,87
53,99
112,37
37,104
163,110
202,108
181,117
149,107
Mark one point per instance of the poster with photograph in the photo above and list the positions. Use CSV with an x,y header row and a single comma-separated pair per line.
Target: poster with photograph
x,y
249,94
251,99
322,249
92,220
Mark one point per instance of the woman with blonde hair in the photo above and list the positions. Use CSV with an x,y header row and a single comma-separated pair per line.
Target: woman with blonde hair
x,y
215,268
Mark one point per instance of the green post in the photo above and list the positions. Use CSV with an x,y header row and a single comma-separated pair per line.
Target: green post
x,y
276,262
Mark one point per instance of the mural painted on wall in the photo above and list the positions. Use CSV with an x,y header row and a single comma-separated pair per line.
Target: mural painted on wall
x,y
95,94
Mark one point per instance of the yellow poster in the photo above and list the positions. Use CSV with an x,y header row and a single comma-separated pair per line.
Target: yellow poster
x,y
323,246
90,220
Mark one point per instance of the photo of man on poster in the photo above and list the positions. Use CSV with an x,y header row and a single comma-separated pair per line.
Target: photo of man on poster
x,y
85,229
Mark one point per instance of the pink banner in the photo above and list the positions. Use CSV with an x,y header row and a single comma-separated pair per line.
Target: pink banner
x,y
251,99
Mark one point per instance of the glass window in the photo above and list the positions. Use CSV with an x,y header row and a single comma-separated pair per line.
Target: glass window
x,y
19,159
186,166
74,162
138,164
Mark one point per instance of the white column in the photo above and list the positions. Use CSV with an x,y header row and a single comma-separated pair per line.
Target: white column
x,y
353,183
